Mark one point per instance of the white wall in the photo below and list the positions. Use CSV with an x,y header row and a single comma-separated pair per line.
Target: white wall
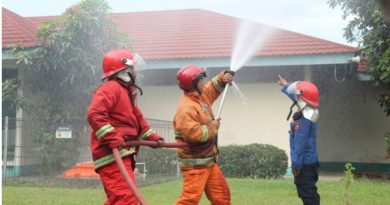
x,y
351,126
259,118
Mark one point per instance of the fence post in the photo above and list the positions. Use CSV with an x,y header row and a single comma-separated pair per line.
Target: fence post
x,y
177,169
5,149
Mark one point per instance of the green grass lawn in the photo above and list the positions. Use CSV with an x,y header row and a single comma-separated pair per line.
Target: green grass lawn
x,y
243,191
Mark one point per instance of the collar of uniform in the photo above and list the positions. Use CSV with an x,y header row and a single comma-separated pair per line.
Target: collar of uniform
x,y
126,85
193,95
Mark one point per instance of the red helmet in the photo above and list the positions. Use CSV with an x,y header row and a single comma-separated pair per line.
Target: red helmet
x,y
308,92
115,61
189,75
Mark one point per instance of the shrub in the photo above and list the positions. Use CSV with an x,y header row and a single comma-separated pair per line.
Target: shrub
x,y
254,161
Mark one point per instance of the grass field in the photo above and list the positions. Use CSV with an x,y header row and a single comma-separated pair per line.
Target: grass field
x,y
243,192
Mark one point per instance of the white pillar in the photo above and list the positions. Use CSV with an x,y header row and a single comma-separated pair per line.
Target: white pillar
x,y
18,136
307,72
5,150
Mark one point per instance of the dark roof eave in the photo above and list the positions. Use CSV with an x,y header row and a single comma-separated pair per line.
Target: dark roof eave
x,y
275,60
7,55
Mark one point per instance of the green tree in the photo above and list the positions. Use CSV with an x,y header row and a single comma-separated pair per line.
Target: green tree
x,y
11,99
369,28
65,69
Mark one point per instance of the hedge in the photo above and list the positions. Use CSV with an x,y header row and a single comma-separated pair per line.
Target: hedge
x,y
253,161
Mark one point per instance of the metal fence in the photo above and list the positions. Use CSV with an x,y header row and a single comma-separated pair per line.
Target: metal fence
x,y
44,153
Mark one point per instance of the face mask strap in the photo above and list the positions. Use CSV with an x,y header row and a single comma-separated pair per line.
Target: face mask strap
x,y
291,109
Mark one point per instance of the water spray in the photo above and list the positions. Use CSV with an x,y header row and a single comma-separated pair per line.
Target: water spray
x,y
250,38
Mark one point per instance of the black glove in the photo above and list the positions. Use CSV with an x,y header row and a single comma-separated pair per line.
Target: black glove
x,y
230,72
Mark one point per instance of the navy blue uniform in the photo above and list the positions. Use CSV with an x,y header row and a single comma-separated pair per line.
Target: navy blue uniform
x,y
303,154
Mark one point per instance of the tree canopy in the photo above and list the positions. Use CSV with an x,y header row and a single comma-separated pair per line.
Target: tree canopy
x,y
369,28
66,68
63,72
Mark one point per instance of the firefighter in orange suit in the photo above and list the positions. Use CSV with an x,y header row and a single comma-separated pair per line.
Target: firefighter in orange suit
x,y
194,123
115,118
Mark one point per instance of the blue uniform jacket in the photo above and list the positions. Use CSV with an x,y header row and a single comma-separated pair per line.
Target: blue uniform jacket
x,y
303,149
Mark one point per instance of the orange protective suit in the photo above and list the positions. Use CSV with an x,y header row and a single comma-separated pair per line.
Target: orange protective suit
x,y
209,180
201,173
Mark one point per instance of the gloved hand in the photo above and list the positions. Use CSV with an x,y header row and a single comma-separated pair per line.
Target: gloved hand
x,y
230,72
216,123
160,143
157,138
115,142
228,77
121,146
282,81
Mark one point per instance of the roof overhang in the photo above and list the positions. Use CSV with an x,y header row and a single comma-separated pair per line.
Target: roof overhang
x,y
7,54
288,60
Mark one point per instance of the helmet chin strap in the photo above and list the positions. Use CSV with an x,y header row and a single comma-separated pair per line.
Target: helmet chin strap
x,y
306,111
195,86
128,78
300,104
291,109
133,82
197,89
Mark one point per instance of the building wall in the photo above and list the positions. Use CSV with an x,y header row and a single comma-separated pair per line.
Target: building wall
x,y
351,126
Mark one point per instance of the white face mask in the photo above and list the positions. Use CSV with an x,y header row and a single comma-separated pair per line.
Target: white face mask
x,y
301,104
308,112
124,76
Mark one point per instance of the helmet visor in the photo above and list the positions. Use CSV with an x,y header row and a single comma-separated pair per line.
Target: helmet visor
x,y
139,63
135,66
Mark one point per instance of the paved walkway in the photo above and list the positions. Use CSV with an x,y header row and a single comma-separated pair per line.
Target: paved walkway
x,y
328,176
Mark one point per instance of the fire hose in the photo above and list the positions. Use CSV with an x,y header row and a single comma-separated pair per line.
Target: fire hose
x,y
223,96
128,180
222,101
155,144
122,167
